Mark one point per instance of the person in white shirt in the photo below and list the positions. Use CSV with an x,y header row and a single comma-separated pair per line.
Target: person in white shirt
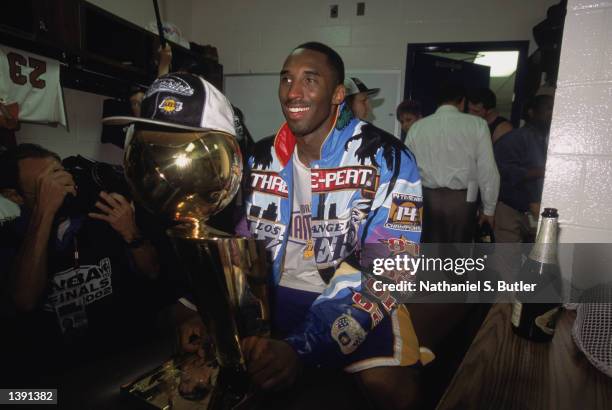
x,y
455,159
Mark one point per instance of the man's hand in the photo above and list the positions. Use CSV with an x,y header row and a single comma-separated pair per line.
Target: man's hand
x,y
272,364
119,213
52,186
490,219
165,60
191,336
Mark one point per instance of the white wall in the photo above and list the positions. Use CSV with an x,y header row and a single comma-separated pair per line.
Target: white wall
x,y
579,167
256,36
84,112
179,12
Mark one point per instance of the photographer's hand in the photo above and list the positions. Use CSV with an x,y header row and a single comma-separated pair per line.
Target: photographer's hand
x,y
52,186
119,213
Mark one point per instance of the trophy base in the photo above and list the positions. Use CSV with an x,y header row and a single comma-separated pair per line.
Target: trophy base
x,y
187,383
179,383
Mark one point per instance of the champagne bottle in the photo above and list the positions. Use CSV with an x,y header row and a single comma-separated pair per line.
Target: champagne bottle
x,y
534,314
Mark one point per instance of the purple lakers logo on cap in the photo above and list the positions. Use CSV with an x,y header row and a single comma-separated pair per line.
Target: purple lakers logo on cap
x,y
170,105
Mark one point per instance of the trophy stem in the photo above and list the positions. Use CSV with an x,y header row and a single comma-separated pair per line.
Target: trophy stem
x,y
196,228
229,283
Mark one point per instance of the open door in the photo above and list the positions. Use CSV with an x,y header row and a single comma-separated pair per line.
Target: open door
x,y
430,72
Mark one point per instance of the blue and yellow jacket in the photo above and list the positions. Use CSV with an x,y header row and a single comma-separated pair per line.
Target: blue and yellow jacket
x,y
365,190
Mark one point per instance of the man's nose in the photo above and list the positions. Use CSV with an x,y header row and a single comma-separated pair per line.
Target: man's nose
x,y
295,90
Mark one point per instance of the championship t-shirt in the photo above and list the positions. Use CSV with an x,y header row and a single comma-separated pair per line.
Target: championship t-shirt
x,y
300,271
92,294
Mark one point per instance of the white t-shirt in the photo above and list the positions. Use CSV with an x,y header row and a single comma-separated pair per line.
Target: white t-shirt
x,y
300,271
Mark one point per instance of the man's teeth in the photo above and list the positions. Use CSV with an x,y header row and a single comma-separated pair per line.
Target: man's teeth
x,y
298,109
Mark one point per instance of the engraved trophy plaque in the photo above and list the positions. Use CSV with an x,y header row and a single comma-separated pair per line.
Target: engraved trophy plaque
x,y
187,175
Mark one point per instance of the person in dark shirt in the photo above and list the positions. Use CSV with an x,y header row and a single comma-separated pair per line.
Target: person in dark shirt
x,y
521,157
482,102
68,275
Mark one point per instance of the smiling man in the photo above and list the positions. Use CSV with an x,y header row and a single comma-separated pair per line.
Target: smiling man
x,y
339,180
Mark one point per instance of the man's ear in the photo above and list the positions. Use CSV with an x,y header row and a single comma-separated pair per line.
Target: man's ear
x,y
339,94
12,194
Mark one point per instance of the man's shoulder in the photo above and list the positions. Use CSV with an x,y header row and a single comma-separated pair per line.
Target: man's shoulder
x,y
515,136
265,141
471,119
374,143
381,136
374,139
262,152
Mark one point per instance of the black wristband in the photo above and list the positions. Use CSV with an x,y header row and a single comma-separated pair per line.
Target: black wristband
x,y
136,242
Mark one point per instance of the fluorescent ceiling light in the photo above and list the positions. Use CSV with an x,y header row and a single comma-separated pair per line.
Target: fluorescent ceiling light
x,y
502,63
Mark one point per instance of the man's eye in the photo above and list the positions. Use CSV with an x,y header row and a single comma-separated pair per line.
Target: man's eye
x,y
310,80
285,80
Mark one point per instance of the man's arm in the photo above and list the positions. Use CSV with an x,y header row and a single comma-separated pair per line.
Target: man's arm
x,y
30,267
165,60
343,304
29,273
488,175
511,153
502,129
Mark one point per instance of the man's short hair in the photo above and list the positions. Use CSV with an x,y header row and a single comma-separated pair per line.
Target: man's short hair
x,y
451,93
333,58
9,162
483,96
408,107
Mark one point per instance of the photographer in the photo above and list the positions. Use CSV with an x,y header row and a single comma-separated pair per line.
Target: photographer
x,y
69,273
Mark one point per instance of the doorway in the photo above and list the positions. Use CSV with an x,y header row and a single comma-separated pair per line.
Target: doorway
x,y
498,65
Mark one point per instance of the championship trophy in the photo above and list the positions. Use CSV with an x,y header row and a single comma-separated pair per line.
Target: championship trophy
x,y
182,162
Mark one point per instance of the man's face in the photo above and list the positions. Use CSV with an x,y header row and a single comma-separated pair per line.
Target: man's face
x,y
406,119
308,92
136,102
29,171
477,109
360,105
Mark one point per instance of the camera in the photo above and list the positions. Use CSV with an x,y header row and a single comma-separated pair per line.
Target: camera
x,y
91,177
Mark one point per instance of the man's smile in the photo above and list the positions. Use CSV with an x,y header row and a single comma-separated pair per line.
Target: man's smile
x,y
298,109
296,112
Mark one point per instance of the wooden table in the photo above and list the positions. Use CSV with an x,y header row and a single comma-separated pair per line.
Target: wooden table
x,y
504,371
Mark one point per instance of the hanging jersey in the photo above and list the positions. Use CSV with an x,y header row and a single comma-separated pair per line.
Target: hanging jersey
x,y
33,83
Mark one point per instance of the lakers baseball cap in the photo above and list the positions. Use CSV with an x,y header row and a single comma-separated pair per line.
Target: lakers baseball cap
x,y
354,86
185,102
